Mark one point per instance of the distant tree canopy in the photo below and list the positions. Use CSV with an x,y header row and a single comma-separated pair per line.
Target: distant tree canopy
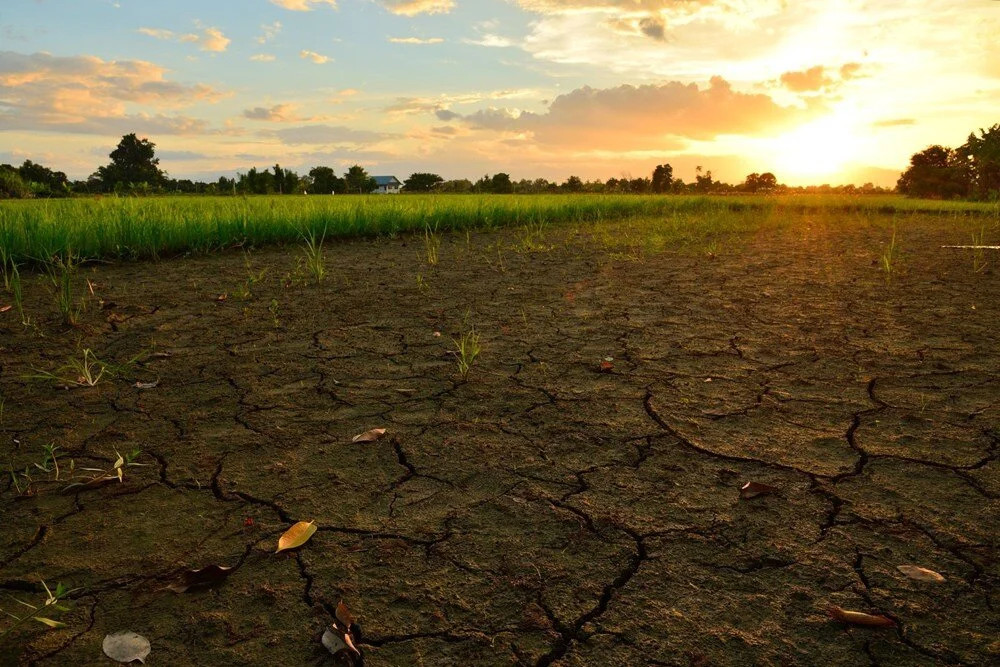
x,y
422,182
971,170
358,181
766,182
663,176
133,163
497,184
325,181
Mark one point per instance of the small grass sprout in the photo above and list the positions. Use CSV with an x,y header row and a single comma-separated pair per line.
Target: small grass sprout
x,y
314,257
890,258
432,245
466,350
978,252
40,613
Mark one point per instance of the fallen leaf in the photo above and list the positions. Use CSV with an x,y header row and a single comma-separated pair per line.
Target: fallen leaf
x,y
369,436
860,618
222,297
147,385
4,309
606,366
206,576
344,615
126,646
921,573
48,621
754,489
161,355
437,334
296,536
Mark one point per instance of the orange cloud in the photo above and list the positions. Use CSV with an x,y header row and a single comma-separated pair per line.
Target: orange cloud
x,y
303,5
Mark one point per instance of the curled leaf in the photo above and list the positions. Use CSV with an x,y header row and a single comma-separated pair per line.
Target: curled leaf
x,y
344,615
754,489
369,436
921,574
339,643
126,646
860,618
206,576
296,536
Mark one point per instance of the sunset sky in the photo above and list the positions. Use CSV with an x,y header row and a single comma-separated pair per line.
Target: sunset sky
x,y
815,91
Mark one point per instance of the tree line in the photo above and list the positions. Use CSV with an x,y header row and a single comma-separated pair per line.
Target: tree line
x,y
971,171
134,170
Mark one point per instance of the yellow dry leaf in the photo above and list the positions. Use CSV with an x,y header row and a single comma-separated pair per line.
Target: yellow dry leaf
x,y
920,573
296,536
369,436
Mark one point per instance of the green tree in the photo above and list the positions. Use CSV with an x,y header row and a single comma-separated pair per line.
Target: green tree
x,y
937,172
133,162
325,181
663,176
357,180
573,184
422,182
43,180
982,155
501,184
11,184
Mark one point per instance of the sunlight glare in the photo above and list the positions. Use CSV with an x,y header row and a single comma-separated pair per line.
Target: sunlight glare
x,y
821,148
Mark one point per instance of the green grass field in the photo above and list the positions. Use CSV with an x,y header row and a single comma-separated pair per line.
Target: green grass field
x,y
130,228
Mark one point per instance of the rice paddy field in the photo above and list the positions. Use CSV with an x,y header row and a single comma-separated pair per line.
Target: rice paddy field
x,y
541,430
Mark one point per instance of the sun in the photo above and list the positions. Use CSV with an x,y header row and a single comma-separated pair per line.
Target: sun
x,y
821,148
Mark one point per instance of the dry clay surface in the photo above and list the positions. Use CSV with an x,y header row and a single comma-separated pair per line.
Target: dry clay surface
x,y
546,510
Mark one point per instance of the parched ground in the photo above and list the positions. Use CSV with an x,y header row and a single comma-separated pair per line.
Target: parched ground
x,y
543,511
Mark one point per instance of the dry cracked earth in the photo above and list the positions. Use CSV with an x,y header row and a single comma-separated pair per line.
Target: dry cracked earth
x,y
542,512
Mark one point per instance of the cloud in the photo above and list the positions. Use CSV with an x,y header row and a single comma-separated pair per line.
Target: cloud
x,y
279,113
414,7
328,134
210,39
85,93
446,114
651,116
653,27
263,57
268,32
303,5
317,58
415,40
490,40
819,78
894,122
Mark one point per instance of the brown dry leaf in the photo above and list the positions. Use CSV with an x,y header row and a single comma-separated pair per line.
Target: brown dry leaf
x,y
369,436
860,618
4,309
754,489
147,385
607,366
339,643
206,576
222,297
296,536
344,615
921,574
161,355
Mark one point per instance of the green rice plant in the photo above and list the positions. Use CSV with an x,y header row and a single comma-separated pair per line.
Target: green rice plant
x,y
978,252
17,293
466,350
890,258
273,309
432,245
6,263
246,288
41,613
421,284
314,259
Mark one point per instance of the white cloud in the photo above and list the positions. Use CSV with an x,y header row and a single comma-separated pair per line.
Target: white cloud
x,y
303,5
415,40
210,39
263,57
268,32
414,7
491,40
317,58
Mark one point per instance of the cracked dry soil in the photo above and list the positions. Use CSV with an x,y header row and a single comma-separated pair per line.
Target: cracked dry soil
x,y
542,512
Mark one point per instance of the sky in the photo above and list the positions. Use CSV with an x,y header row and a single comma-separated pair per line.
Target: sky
x,y
813,91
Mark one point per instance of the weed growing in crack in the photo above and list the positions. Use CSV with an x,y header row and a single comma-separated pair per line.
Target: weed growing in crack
x,y
466,350
40,613
45,471
61,270
99,476
890,258
432,245
85,371
246,289
421,284
17,293
314,258
273,309
978,253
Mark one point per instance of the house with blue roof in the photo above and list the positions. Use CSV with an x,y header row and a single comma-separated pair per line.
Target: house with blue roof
x,y
387,185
